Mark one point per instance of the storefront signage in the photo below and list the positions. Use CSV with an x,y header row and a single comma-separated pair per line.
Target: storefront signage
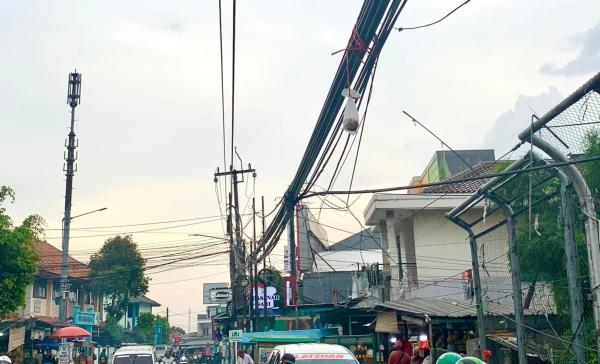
x,y
65,353
235,336
85,318
270,299
467,281
220,295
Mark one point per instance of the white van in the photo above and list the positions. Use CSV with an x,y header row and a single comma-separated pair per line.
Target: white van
x,y
138,354
313,354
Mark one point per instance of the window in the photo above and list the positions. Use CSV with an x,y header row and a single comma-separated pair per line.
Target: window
x,y
87,297
274,358
133,358
39,289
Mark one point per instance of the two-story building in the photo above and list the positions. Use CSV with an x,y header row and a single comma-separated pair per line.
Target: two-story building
x,y
33,323
43,296
137,305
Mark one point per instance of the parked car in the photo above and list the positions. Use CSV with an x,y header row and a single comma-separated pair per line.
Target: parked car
x,y
138,354
313,354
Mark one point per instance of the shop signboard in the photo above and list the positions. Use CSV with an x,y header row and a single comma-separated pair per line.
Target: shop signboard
x,y
206,291
65,353
220,295
235,336
467,281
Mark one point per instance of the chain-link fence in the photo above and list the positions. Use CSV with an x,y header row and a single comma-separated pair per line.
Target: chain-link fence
x,y
535,282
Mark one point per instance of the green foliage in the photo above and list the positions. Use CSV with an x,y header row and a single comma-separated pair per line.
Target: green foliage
x,y
19,259
145,330
117,271
591,170
113,332
177,330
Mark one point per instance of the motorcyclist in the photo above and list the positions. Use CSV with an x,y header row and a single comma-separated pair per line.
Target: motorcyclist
x,y
167,359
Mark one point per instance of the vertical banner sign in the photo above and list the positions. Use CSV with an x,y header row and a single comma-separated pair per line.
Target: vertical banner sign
x,y
65,353
289,293
467,282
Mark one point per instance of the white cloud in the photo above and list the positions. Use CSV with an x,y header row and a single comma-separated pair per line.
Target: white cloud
x,y
588,59
503,134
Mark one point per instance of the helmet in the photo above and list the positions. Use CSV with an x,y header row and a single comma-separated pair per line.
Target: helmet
x,y
5,360
448,358
288,358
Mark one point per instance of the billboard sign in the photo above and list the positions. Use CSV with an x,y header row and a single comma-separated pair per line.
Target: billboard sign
x,y
207,287
220,295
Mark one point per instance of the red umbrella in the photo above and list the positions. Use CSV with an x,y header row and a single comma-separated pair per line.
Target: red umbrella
x,y
69,332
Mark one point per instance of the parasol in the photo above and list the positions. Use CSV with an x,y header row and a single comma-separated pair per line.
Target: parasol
x,y
70,332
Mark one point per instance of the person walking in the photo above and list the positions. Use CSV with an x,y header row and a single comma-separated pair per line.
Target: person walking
x,y
399,354
245,358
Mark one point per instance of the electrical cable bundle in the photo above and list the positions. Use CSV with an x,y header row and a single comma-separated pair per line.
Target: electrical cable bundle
x,y
373,26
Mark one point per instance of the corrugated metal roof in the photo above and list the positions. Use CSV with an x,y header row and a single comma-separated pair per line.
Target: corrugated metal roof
x,y
432,307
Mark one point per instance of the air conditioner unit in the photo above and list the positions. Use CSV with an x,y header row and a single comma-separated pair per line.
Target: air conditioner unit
x,y
72,296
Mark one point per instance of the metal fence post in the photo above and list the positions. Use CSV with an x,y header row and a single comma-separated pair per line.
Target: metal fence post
x,y
571,254
515,275
476,278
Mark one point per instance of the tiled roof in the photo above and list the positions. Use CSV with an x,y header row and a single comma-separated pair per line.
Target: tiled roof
x,y
50,260
471,186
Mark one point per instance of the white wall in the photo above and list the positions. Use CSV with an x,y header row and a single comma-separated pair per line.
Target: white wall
x,y
443,252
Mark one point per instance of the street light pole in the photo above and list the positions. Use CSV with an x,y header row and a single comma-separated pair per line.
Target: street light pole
x,y
64,271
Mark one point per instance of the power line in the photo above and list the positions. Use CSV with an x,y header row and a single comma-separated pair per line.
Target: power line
x,y
435,22
454,181
222,91
233,83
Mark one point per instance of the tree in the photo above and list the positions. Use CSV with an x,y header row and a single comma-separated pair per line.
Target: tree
x,y
19,259
145,330
113,333
117,272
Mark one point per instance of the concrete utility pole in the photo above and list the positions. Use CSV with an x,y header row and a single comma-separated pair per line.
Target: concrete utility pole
x,y
237,258
73,96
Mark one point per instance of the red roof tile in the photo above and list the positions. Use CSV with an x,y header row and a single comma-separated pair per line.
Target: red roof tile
x,y
50,260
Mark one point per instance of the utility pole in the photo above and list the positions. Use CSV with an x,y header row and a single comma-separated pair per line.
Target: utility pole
x,y
189,320
73,96
237,259
255,263
262,202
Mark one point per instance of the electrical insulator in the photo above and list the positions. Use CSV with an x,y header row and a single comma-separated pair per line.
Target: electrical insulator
x,y
350,120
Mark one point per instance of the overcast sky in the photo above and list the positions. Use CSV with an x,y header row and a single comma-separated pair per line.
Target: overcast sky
x,y
149,123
